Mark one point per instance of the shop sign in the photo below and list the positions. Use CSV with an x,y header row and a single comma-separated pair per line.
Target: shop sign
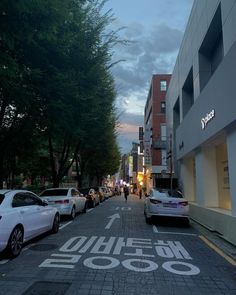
x,y
205,120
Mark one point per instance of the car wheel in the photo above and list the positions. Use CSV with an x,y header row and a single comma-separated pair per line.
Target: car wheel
x,y
93,204
72,214
148,220
85,208
15,241
56,224
187,222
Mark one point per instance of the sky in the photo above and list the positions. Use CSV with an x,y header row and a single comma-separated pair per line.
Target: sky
x,y
155,29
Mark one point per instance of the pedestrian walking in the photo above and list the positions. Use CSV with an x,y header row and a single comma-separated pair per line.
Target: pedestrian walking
x,y
140,194
126,192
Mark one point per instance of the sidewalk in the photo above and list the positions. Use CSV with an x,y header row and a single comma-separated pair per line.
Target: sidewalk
x,y
216,239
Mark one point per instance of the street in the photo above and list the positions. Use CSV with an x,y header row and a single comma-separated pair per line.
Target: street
x,y
110,250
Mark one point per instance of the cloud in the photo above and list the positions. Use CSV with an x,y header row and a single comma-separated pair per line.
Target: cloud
x,y
149,52
154,32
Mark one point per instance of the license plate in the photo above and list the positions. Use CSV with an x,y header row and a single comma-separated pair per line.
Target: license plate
x,y
169,205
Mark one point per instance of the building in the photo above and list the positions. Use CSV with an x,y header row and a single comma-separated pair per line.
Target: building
x,y
154,139
201,115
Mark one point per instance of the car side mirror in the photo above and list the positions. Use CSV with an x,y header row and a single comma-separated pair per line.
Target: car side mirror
x,y
44,203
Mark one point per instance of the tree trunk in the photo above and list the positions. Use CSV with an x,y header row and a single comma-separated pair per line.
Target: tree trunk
x,y
52,162
1,171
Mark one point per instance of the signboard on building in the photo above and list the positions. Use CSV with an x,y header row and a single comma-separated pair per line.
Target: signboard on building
x,y
131,166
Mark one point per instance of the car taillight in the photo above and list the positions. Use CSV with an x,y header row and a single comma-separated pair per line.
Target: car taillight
x,y
62,202
155,201
184,203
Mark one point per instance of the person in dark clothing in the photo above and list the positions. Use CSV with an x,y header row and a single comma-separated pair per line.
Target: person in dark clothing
x,y
140,194
126,192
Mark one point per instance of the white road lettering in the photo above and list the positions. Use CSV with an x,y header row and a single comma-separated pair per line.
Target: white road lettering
x,y
113,262
151,265
88,244
192,269
123,208
51,262
102,247
73,244
140,250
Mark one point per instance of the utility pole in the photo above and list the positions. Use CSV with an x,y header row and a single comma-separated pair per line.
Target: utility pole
x,y
171,164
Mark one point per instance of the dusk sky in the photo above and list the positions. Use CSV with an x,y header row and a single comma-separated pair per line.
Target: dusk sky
x,y
156,29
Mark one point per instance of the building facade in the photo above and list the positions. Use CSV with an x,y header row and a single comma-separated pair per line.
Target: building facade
x,y
155,154
201,115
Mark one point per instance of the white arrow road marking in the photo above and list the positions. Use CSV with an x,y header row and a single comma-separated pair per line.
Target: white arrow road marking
x,y
113,217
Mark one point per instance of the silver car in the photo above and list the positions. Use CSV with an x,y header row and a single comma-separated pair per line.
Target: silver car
x,y
68,201
159,203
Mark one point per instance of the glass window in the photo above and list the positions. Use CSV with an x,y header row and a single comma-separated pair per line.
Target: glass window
x,y
163,107
163,85
18,200
1,199
54,192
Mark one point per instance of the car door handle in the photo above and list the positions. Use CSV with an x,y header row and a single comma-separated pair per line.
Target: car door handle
x,y
22,211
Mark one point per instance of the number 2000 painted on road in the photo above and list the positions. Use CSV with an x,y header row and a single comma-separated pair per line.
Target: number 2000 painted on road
x,y
141,249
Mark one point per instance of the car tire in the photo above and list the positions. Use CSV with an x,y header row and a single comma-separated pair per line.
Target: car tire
x,y
85,208
93,204
15,242
72,214
147,219
56,224
187,222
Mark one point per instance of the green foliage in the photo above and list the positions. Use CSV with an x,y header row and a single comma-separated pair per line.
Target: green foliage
x,y
56,93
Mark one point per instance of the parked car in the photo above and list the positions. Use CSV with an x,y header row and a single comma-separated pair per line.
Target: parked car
x,y
100,193
68,201
164,203
23,216
105,192
91,195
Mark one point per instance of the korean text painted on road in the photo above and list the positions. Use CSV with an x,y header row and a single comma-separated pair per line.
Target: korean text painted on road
x,y
105,250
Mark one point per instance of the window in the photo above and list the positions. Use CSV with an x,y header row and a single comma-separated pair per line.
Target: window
x,y
163,132
163,85
25,199
163,107
1,198
187,93
211,51
176,114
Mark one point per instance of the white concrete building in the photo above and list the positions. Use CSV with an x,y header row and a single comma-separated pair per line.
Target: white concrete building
x,y
201,115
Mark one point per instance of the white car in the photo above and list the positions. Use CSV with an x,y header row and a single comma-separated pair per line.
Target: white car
x,y
165,204
68,201
23,216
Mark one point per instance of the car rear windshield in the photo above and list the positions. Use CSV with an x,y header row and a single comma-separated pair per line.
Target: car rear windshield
x,y
1,198
54,193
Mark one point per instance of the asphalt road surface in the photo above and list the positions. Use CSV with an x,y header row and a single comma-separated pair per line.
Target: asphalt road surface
x,y
110,250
